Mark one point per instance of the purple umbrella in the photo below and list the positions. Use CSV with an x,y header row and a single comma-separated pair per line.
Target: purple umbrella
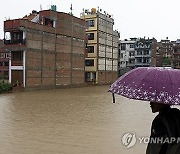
x,y
156,84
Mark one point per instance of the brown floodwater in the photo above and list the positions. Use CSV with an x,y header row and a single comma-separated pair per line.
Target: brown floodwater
x,y
71,121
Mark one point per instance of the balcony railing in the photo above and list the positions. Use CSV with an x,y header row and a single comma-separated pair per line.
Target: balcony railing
x,y
142,64
142,55
176,59
131,57
130,64
17,63
18,41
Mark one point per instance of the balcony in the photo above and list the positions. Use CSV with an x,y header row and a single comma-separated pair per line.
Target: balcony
x,y
142,64
176,53
17,58
132,57
175,59
17,41
130,64
12,24
17,63
142,55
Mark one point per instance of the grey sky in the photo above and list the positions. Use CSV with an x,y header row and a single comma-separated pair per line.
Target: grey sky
x,y
133,18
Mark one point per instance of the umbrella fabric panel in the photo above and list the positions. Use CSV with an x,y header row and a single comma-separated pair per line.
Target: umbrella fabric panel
x,y
150,84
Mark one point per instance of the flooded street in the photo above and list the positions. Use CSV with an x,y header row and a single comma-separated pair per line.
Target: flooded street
x,y
71,121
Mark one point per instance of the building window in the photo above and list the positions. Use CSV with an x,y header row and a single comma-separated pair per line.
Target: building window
x,y
7,55
121,55
145,60
6,63
146,52
17,55
139,60
90,49
49,22
1,63
87,76
89,62
91,36
91,23
131,45
123,46
131,61
131,54
139,53
17,35
2,55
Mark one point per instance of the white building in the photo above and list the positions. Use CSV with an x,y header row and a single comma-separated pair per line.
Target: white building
x,y
126,55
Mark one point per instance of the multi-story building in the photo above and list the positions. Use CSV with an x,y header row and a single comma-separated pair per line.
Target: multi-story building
x,y
47,50
4,62
127,55
101,64
176,54
164,53
145,52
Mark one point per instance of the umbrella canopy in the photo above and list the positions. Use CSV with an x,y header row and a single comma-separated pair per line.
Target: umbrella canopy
x,y
156,84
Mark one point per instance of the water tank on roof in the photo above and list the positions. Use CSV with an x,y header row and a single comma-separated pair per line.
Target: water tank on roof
x,y
53,7
34,11
93,10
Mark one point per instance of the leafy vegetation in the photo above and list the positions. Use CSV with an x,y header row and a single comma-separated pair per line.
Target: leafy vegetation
x,y
166,61
5,86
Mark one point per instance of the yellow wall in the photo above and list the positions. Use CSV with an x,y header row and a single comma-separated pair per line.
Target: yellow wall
x,y
95,51
95,25
95,37
91,68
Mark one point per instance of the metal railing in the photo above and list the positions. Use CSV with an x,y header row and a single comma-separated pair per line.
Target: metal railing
x,y
17,41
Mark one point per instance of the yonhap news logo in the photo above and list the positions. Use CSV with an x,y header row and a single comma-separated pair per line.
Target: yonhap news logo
x,y
129,139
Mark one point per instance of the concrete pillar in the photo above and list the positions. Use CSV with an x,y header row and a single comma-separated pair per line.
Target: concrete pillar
x,y
10,70
24,68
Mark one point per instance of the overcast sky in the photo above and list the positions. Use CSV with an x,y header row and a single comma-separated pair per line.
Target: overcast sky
x,y
133,18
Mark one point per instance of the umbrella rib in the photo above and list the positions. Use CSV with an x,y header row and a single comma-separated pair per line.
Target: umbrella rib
x,y
171,83
148,75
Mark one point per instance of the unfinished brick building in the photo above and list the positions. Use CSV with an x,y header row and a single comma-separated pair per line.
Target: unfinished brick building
x,y
47,50
4,62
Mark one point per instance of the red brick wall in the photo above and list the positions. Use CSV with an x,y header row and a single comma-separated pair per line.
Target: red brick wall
x,y
107,77
3,68
114,76
33,82
53,62
62,81
101,77
78,77
54,55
